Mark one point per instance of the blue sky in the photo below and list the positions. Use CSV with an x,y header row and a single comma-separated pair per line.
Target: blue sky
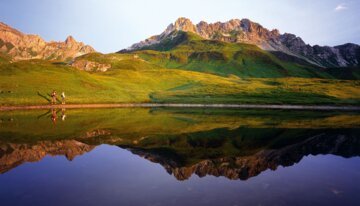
x,y
111,25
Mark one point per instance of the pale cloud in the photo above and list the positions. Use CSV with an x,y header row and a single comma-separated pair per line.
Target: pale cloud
x,y
341,7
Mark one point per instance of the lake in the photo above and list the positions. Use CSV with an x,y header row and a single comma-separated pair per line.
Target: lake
x,y
174,156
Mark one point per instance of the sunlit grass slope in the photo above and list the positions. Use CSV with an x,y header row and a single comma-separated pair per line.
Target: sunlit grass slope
x,y
132,79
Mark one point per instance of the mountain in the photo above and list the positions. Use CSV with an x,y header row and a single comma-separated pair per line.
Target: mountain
x,y
182,67
19,46
188,51
246,31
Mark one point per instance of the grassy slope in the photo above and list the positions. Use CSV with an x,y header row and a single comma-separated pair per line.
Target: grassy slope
x,y
191,52
132,79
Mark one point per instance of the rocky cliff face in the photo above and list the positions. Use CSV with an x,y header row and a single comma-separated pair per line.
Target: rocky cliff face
x,y
246,31
90,66
20,46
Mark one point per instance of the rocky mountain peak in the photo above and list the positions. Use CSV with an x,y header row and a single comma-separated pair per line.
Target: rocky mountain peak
x,y
184,24
246,31
20,46
70,40
5,27
275,32
246,24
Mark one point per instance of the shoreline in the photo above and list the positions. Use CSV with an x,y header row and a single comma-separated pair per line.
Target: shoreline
x,y
173,105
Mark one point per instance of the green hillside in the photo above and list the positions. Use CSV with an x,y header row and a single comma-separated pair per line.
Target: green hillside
x,y
188,51
132,79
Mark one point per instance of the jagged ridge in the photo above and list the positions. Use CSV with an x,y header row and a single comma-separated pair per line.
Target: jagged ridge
x,y
246,31
20,46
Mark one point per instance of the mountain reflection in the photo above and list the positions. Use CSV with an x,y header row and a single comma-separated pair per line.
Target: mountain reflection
x,y
15,154
232,144
251,163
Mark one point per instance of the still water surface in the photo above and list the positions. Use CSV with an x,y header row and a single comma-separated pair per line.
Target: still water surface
x,y
179,157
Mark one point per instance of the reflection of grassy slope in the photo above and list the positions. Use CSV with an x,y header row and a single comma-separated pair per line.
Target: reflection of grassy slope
x,y
131,126
186,137
134,80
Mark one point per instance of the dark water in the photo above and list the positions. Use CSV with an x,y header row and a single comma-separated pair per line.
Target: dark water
x,y
179,157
